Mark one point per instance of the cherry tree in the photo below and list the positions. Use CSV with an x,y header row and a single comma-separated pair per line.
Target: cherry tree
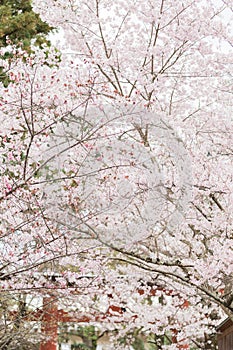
x,y
108,165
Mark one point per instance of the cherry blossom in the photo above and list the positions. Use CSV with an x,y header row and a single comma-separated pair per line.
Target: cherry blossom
x,y
116,165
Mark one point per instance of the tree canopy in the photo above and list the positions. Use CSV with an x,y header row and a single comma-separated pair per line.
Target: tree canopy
x,y
111,195
20,24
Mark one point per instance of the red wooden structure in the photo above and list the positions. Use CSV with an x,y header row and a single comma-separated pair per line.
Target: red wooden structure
x,y
50,321
50,316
